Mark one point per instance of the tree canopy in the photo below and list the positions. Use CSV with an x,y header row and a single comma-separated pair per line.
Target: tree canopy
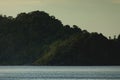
x,y
36,38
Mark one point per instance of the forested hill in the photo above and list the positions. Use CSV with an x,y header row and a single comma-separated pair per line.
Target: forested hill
x,y
36,38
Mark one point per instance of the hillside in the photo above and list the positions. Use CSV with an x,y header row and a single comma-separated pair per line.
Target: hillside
x,y
36,38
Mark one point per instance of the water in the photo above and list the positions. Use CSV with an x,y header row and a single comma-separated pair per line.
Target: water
x,y
59,73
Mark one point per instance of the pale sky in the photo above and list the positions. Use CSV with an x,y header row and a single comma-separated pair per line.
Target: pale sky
x,y
102,16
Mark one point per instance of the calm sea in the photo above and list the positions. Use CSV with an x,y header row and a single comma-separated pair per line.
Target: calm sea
x,y
59,73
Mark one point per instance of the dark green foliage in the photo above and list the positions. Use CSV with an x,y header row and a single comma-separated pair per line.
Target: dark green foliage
x,y
80,49
36,38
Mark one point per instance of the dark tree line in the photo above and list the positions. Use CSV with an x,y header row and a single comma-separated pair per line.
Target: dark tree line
x,y
36,38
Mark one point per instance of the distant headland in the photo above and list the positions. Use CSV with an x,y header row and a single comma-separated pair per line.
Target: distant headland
x,y
36,38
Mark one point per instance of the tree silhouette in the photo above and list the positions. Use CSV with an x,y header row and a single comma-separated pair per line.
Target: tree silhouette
x,y
36,38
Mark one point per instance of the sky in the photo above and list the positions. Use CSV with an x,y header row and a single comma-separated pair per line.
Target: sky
x,y
102,16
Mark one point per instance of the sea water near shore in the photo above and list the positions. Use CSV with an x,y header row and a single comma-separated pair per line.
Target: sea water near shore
x,y
59,72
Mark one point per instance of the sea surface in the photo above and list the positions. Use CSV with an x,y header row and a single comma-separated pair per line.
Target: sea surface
x,y
59,73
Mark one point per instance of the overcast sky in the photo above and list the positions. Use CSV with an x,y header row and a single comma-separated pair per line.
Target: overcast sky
x,y
101,16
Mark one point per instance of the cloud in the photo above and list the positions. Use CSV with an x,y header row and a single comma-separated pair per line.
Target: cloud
x,y
19,2
116,1
31,2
